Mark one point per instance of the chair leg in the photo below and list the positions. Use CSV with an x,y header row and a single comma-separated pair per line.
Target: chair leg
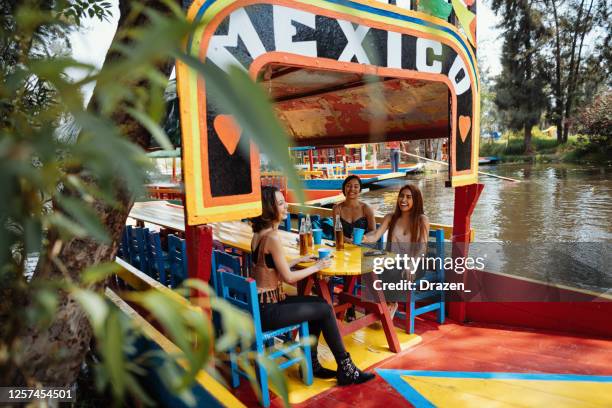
x,y
263,382
410,316
307,353
234,369
261,374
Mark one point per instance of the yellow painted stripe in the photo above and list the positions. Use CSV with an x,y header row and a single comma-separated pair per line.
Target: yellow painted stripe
x,y
469,392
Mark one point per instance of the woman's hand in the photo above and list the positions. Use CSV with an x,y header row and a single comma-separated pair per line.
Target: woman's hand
x,y
323,264
367,239
307,258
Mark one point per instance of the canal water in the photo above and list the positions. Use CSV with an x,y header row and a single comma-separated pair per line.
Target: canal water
x,y
555,225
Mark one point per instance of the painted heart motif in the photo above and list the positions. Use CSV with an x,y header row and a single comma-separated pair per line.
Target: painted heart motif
x,y
465,123
228,131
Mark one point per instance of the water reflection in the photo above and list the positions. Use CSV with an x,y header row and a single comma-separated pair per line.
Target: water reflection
x,y
554,203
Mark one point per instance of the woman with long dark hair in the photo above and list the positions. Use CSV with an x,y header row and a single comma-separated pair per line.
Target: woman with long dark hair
x,y
408,226
353,212
278,310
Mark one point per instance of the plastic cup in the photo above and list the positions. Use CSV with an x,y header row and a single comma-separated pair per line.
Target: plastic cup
x,y
317,235
358,235
324,253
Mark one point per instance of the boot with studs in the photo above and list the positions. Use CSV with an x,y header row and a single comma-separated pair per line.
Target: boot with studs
x,y
349,374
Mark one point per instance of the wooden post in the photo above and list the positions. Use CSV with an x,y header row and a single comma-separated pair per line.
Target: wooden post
x,y
310,160
199,254
466,198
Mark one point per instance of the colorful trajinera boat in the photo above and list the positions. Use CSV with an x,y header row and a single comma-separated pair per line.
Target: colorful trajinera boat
x,y
316,59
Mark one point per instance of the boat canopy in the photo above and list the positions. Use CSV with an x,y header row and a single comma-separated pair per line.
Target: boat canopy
x,y
339,73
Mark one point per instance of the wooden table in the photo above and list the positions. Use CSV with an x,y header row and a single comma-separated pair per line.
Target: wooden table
x,y
346,263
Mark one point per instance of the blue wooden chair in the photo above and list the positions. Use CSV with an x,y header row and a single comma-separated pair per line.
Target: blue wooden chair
x,y
223,262
245,297
137,248
157,258
124,245
430,300
177,257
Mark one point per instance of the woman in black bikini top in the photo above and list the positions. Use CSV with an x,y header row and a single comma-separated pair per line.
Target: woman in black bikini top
x,y
354,213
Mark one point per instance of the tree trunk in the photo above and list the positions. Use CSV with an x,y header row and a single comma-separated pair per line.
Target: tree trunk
x,y
575,68
53,355
528,149
559,97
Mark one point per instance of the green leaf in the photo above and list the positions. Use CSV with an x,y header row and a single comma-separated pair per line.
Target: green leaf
x,y
95,307
154,129
99,272
85,216
256,117
66,226
436,8
112,353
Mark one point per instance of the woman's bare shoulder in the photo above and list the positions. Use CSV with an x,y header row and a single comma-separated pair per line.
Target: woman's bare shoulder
x,y
367,208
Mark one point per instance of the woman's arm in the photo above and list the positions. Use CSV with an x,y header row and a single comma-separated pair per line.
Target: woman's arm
x,y
305,258
369,213
375,235
282,266
420,246
336,210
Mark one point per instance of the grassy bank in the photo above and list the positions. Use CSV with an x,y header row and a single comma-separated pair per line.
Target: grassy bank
x,y
510,148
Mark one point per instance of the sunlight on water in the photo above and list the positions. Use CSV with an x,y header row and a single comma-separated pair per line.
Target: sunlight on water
x,y
553,203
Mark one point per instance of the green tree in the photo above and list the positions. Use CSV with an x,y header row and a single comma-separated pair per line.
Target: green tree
x,y
518,90
578,53
595,121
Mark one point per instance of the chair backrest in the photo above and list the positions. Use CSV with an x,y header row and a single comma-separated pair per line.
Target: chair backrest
x,y
177,256
156,257
223,262
138,251
435,248
124,245
242,293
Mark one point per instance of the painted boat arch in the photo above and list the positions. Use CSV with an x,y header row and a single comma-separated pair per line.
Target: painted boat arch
x,y
220,183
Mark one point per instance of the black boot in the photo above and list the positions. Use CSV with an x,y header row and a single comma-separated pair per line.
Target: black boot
x,y
349,374
319,371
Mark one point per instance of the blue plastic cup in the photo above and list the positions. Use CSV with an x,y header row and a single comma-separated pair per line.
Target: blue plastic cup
x,y
324,253
317,235
358,235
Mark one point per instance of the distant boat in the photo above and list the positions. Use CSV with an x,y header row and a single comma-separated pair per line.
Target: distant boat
x,y
488,160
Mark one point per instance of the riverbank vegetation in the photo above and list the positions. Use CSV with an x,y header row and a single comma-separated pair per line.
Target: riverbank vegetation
x,y
555,61
593,144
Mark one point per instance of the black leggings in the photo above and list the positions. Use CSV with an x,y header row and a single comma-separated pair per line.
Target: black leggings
x,y
313,309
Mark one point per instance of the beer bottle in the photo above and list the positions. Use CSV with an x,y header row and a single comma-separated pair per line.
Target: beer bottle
x,y
303,239
309,232
339,234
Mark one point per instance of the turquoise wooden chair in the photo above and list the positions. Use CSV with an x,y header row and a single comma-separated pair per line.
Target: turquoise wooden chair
x,y
137,248
430,300
242,293
177,257
157,258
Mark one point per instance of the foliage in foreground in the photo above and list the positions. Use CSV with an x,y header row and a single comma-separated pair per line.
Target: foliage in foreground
x,y
65,199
